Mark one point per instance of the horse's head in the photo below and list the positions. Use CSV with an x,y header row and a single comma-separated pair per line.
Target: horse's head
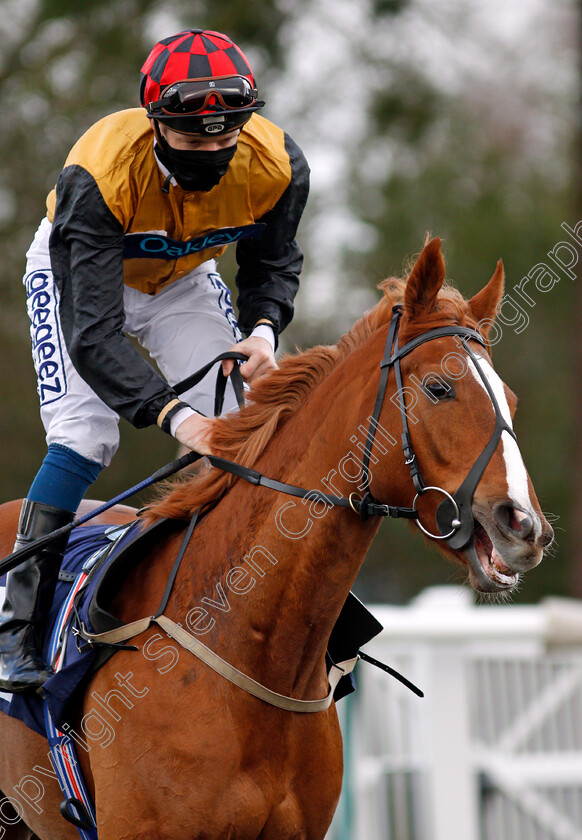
x,y
479,501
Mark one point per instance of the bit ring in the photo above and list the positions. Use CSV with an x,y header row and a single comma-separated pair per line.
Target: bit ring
x,y
455,522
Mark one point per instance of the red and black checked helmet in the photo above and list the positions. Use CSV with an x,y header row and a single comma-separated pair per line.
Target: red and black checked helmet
x,y
198,82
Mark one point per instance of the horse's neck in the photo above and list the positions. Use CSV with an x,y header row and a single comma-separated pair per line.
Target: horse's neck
x,y
300,557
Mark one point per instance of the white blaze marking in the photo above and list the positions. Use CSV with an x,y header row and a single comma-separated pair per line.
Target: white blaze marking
x,y
516,473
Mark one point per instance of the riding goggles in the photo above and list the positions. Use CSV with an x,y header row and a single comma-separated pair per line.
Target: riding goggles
x,y
193,96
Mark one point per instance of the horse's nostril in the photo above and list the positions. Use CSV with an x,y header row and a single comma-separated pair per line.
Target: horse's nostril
x,y
512,520
546,537
520,522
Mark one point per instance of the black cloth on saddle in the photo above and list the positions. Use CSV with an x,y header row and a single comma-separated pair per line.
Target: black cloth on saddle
x,y
111,556
354,627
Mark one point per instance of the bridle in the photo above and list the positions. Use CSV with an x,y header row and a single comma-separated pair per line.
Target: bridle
x,y
454,517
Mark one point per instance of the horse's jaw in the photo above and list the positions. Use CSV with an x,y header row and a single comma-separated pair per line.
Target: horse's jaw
x,y
497,555
487,572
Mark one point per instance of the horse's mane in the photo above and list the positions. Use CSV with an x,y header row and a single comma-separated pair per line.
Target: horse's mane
x,y
243,437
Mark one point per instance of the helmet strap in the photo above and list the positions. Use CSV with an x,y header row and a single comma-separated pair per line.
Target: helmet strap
x,y
168,150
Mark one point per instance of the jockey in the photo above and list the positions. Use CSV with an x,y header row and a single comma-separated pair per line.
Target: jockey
x,y
148,199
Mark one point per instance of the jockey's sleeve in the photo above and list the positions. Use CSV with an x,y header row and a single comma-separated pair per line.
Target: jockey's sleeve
x,y
269,267
86,247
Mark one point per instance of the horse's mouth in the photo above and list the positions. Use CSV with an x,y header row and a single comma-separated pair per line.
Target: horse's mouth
x,y
487,571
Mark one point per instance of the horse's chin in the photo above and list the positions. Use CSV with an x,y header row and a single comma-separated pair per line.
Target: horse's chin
x,y
487,571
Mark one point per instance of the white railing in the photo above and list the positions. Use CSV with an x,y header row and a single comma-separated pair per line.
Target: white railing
x,y
493,751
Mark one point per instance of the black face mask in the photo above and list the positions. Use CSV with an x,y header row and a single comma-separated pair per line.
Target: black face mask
x,y
194,170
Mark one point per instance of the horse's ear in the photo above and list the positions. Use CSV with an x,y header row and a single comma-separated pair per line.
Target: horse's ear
x,y
425,281
484,304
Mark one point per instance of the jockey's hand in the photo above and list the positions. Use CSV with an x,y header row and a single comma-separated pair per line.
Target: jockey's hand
x,y
194,433
261,358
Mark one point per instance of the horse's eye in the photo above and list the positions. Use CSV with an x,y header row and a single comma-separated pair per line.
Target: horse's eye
x,y
440,390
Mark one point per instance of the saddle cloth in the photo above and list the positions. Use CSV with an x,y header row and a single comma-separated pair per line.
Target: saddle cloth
x,y
87,546
95,562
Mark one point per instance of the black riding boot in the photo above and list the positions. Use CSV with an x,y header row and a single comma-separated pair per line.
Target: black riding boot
x,y
29,591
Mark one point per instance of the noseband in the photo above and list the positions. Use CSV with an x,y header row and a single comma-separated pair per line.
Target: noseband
x,y
454,517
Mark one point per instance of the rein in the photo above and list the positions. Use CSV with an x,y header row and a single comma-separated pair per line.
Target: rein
x,y
364,507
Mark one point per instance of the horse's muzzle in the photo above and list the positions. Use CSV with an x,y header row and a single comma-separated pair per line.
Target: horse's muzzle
x,y
507,541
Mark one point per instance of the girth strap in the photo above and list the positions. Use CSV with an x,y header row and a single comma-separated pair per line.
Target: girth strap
x,y
225,669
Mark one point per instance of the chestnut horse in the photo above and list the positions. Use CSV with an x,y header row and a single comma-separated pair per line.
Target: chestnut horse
x,y
173,750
